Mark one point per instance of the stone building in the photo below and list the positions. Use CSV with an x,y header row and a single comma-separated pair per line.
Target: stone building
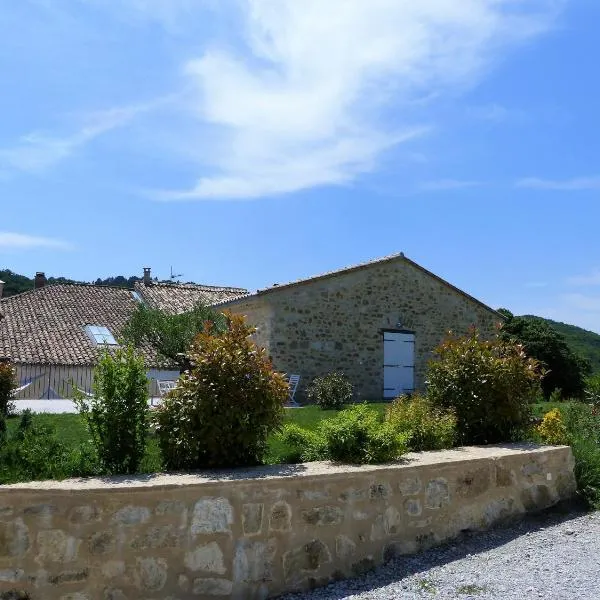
x,y
377,322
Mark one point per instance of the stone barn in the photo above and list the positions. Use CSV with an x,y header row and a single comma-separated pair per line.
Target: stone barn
x,y
377,322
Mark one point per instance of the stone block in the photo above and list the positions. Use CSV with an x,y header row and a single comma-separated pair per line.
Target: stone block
x,y
150,574
14,538
437,494
113,569
473,483
212,515
410,486
161,536
252,518
253,561
281,517
54,545
80,515
412,507
305,559
344,547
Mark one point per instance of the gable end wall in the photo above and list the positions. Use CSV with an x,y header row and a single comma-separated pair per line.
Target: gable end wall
x,y
336,323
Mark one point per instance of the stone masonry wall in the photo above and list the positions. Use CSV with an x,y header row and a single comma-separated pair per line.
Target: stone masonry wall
x,y
259,533
336,323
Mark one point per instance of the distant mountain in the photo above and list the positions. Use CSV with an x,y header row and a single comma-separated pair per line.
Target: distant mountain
x,y
584,342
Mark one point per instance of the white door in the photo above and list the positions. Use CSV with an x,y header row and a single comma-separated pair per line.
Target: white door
x,y
398,363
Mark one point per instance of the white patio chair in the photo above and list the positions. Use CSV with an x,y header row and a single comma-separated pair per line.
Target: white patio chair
x,y
164,387
293,381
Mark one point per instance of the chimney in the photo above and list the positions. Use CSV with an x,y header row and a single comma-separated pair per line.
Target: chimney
x,y
1,288
39,281
147,276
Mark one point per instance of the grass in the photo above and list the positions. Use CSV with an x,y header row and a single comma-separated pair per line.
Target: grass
x,y
471,589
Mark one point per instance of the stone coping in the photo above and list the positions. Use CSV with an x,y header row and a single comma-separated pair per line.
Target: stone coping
x,y
155,481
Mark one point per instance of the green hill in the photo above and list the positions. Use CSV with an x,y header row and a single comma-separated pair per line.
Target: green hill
x,y
584,342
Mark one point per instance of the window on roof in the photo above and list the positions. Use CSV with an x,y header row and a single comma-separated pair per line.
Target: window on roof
x,y
101,335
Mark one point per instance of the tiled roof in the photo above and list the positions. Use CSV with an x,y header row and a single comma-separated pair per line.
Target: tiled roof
x,y
47,325
392,257
180,297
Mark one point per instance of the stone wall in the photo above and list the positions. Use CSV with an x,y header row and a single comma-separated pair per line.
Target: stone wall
x,y
261,532
337,322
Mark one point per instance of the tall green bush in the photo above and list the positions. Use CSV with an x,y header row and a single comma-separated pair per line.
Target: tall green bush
x,y
330,391
427,427
224,408
490,384
117,413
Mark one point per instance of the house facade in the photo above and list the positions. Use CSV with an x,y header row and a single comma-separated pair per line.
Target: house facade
x,y
54,334
376,322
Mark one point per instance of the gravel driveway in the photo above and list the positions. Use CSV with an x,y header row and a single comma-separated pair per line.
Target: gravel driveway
x,y
550,556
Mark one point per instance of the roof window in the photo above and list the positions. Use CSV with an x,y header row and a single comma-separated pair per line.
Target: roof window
x,y
100,335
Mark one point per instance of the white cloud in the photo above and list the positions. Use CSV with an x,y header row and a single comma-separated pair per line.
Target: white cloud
x,y
314,100
20,241
443,185
38,151
567,185
592,278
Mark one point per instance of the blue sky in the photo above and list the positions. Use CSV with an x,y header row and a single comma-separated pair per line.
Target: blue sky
x,y
248,142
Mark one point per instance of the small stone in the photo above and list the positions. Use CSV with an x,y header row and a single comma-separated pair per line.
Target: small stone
x,y
11,575
84,514
344,547
212,587
101,542
132,515
69,576
252,517
306,558
412,507
207,558
113,569
410,486
323,515
437,494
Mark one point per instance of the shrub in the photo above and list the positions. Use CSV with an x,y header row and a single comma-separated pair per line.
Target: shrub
x,y
116,415
552,429
355,435
592,390
358,435
224,408
35,452
490,385
555,396
302,445
427,427
583,435
331,391
8,383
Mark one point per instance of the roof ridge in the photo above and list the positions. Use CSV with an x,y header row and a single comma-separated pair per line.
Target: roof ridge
x,y
189,285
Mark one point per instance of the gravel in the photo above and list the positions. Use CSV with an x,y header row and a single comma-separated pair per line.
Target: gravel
x,y
551,556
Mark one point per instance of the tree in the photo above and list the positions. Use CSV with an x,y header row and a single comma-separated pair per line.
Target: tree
x,y
171,335
566,369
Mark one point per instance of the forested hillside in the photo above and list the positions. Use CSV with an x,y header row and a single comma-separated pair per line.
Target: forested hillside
x,y
584,342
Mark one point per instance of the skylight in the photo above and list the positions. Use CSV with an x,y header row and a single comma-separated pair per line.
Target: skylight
x,y
101,335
